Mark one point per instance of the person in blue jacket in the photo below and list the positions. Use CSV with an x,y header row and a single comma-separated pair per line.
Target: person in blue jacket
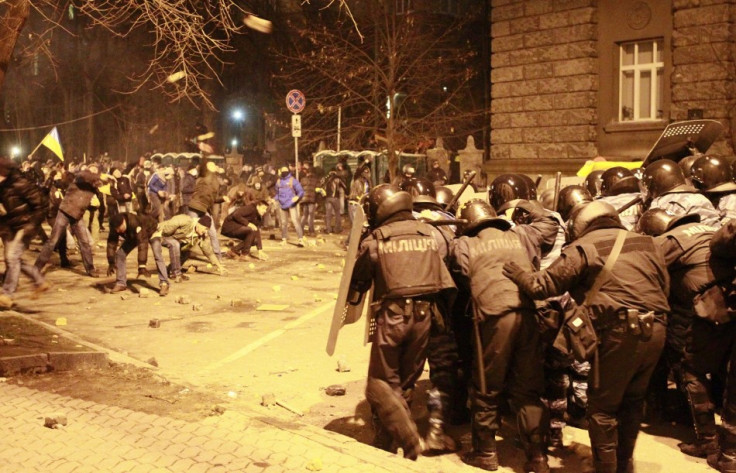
x,y
288,193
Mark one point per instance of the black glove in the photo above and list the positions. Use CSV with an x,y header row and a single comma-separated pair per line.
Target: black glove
x,y
513,271
143,272
110,269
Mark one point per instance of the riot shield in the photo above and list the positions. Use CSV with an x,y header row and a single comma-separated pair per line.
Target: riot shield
x,y
349,304
679,139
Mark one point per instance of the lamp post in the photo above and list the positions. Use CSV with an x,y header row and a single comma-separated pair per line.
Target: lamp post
x,y
15,152
238,117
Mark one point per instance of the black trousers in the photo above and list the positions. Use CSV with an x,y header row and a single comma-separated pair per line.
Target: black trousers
x,y
512,364
247,235
616,405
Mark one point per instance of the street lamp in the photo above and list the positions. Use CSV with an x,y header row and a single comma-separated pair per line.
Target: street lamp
x,y
14,152
234,143
238,114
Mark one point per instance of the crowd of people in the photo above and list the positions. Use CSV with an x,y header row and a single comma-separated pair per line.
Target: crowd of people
x,y
579,307
572,307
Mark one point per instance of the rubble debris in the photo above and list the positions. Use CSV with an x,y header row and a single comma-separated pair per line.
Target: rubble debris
x,y
272,307
154,323
289,408
217,411
152,361
144,293
232,394
342,365
53,421
182,300
336,390
315,464
268,400
237,302
295,278
61,321
196,307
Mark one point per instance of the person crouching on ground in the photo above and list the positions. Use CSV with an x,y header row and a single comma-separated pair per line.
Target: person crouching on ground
x,y
136,231
244,224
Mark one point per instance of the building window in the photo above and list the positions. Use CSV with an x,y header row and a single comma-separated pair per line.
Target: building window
x,y
404,6
641,71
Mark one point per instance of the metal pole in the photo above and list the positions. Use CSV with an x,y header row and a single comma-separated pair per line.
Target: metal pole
x,y
296,156
339,125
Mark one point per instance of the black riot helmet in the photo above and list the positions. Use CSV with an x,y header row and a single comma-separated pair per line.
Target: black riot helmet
x,y
509,187
686,164
584,215
479,215
383,201
418,186
443,195
593,183
710,174
569,197
618,180
655,222
408,170
663,176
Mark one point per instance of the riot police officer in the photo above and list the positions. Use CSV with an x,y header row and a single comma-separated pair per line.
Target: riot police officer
x,y
505,333
569,197
631,333
619,187
508,188
667,189
401,259
714,178
593,182
695,346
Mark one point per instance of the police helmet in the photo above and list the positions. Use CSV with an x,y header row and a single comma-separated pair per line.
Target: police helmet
x,y
443,195
569,197
521,214
408,169
509,187
418,186
686,164
546,198
710,174
383,201
655,222
618,180
479,215
582,216
663,176
593,183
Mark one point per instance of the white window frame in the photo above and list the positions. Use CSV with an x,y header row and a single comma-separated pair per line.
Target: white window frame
x,y
653,67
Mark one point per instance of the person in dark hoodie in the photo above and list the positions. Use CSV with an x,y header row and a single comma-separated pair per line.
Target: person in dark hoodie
x,y
71,210
244,224
136,231
21,211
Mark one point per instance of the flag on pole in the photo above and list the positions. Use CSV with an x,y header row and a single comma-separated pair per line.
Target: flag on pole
x,y
51,141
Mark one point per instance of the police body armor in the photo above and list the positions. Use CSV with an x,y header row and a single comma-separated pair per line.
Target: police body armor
x,y
494,293
409,261
636,265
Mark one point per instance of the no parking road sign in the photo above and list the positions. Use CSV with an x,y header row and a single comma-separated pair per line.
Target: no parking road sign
x,y
295,101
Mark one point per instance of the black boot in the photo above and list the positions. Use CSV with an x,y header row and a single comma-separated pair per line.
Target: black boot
x,y
702,447
437,440
484,454
536,455
725,460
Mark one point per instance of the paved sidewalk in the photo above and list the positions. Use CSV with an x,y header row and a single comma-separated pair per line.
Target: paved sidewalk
x,y
99,438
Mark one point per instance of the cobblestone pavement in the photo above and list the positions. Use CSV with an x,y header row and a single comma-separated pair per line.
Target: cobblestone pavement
x,y
99,438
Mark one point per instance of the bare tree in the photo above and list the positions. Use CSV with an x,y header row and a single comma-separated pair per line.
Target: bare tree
x,y
405,80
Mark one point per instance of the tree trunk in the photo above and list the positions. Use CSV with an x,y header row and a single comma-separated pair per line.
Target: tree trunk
x,y
13,16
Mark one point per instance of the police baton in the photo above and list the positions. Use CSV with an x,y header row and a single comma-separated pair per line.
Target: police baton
x,y
457,195
439,223
558,180
628,205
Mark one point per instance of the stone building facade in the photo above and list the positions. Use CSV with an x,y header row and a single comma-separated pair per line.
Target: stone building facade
x,y
573,80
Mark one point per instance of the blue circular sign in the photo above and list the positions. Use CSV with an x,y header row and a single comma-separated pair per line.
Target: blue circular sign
x,y
295,101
